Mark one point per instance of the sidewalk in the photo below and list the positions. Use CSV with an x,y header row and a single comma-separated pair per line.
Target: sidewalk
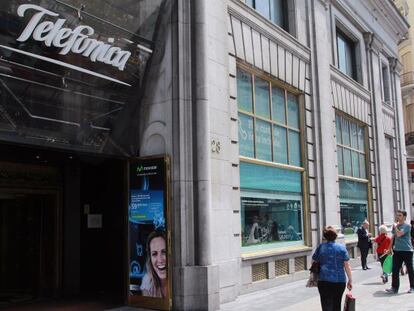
x,y
368,291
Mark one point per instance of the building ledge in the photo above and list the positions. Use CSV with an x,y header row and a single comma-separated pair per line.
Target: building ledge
x,y
275,252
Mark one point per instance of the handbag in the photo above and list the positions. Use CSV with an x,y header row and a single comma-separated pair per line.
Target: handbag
x,y
314,275
315,267
313,280
350,302
387,265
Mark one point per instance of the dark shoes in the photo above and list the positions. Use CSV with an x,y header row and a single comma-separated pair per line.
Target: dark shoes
x,y
366,268
392,290
411,290
384,278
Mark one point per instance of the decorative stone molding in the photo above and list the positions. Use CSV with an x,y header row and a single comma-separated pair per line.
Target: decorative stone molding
x,y
395,65
372,43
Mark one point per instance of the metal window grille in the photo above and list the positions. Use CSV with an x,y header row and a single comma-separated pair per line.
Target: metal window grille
x,y
281,267
259,272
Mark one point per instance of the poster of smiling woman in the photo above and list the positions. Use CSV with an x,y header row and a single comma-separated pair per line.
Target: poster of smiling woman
x,y
149,281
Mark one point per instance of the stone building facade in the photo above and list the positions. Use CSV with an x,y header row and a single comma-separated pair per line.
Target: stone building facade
x,y
305,130
279,117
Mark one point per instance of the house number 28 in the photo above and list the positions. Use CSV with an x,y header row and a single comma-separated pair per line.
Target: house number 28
x,y
215,146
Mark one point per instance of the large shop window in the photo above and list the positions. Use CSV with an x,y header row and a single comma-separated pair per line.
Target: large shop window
x,y
270,166
274,10
353,183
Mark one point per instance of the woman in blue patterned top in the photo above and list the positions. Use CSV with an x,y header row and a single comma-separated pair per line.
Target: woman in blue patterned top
x,y
333,260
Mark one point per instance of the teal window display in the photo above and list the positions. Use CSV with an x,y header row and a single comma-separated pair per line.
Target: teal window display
x,y
271,167
271,207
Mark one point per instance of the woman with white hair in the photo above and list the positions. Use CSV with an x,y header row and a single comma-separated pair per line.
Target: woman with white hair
x,y
383,243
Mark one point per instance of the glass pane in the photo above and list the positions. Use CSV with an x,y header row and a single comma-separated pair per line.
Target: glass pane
x,y
277,12
362,168
385,83
338,129
361,138
249,2
262,98
347,162
270,221
294,148
355,164
246,147
349,54
352,216
341,45
280,145
270,179
262,6
244,90
81,91
354,135
345,54
340,161
263,141
345,132
352,190
278,105
293,111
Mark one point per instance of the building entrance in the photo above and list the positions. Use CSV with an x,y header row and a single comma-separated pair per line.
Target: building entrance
x,y
29,245
62,227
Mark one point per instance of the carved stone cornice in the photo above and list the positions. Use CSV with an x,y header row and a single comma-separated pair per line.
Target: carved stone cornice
x,y
395,65
326,3
372,43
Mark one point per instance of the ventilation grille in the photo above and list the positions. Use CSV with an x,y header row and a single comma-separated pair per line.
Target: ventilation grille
x,y
259,272
281,267
300,264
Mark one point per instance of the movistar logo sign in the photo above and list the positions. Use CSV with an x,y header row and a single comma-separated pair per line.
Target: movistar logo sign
x,y
142,169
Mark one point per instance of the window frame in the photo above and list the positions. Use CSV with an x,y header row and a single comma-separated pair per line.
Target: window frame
x,y
255,73
351,46
288,16
385,84
300,130
366,181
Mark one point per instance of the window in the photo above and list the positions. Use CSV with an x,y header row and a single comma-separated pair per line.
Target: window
x,y
346,54
353,183
269,127
271,164
274,10
385,84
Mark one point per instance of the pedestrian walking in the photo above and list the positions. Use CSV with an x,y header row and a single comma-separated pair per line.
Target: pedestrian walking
x,y
364,243
383,244
402,248
332,279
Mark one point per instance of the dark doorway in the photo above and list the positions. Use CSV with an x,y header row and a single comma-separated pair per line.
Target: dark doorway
x,y
52,244
103,245
29,245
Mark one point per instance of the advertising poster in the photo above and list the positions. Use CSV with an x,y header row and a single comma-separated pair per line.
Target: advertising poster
x,y
149,281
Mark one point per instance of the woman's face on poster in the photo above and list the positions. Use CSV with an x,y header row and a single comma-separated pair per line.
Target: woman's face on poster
x,y
158,254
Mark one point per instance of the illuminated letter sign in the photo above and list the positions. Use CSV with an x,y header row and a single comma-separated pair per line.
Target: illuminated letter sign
x,y
76,40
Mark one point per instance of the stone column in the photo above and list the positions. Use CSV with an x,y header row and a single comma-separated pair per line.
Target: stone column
x,y
325,113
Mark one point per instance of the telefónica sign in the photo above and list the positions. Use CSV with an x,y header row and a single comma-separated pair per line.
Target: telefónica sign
x,y
76,40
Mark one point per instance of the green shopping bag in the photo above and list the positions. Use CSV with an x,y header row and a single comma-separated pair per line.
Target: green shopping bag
x,y
387,265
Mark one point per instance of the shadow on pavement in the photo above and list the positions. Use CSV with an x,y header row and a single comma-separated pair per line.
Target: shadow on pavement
x,y
383,293
372,283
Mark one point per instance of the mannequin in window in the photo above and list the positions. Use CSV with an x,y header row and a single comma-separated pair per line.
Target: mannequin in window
x,y
254,234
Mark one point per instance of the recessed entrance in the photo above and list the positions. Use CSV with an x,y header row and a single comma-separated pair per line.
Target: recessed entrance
x,y
29,246
62,229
